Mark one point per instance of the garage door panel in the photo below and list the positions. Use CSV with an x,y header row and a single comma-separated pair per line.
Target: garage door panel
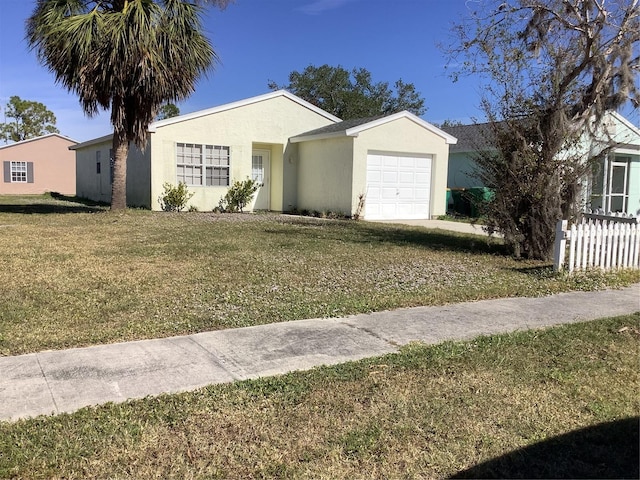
x,y
389,177
373,192
408,163
423,179
374,176
388,193
405,194
406,178
374,160
388,210
398,187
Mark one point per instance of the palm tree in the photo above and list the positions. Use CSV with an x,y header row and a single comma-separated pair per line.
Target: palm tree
x,y
128,55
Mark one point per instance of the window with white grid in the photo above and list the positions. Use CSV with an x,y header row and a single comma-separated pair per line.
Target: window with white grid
x,y
19,172
202,165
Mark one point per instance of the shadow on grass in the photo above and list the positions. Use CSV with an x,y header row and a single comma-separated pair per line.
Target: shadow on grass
x,y
607,450
436,239
538,271
58,204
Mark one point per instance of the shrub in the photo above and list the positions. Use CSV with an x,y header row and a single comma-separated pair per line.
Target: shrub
x,y
174,198
238,196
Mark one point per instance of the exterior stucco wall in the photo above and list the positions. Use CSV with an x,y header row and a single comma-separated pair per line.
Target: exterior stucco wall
x,y
266,124
54,166
403,136
97,186
325,175
290,158
460,171
139,177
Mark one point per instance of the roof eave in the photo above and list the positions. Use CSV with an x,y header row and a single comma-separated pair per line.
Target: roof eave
x,y
21,142
241,103
93,141
449,139
317,136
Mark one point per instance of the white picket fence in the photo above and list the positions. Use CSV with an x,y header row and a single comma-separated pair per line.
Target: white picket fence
x,y
599,241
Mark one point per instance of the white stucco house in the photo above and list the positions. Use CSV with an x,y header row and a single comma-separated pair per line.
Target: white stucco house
x,y
304,157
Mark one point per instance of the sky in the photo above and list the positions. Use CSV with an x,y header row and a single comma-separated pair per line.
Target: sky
x,y
262,40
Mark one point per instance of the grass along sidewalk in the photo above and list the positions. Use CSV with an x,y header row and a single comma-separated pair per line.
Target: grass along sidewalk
x,y
88,276
567,396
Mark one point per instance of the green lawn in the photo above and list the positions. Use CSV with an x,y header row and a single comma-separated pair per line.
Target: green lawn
x,y
554,403
74,274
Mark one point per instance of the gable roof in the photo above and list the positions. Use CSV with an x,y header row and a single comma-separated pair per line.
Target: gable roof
x,y
221,108
93,141
242,103
353,127
42,137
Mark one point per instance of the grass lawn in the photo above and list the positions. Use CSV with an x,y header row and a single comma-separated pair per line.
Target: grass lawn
x,y
75,275
555,403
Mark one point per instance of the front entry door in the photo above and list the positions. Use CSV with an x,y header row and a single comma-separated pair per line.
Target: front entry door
x,y
260,168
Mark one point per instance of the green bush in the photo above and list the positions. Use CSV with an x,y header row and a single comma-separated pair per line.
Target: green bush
x,y
174,198
238,196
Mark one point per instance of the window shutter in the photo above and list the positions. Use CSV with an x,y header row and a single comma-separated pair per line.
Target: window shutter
x,y
7,171
29,172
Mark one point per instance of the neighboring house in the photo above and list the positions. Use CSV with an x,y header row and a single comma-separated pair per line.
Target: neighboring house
x,y
303,157
614,185
39,165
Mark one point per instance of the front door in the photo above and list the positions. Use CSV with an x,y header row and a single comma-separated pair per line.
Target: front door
x,y
618,185
260,168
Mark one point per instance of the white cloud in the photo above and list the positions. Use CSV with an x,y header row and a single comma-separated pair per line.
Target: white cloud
x,y
318,6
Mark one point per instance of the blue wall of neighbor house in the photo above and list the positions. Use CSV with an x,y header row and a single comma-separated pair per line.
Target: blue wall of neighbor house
x,y
633,206
460,171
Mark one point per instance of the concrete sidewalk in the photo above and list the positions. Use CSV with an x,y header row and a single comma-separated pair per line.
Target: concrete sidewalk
x,y
66,380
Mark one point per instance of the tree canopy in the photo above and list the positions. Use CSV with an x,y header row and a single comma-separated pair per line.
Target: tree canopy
x,y
27,119
352,94
129,56
168,110
551,70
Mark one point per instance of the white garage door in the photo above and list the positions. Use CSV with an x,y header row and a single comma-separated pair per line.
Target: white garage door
x,y
398,187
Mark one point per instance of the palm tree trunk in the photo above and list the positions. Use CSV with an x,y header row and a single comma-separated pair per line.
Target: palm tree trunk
x,y
119,185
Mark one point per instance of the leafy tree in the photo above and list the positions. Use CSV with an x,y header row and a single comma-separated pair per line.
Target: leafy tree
x,y
28,120
127,55
553,70
352,94
448,123
168,110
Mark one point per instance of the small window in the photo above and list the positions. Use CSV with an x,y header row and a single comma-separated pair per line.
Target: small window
x,y
257,168
202,165
18,172
98,168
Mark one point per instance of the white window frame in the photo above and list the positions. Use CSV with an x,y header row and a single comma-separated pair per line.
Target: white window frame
x,y
623,196
202,165
19,172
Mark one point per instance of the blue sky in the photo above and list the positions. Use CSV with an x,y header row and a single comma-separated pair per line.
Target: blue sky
x,y
262,40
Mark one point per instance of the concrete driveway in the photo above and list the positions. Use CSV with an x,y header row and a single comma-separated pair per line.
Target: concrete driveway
x,y
460,227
